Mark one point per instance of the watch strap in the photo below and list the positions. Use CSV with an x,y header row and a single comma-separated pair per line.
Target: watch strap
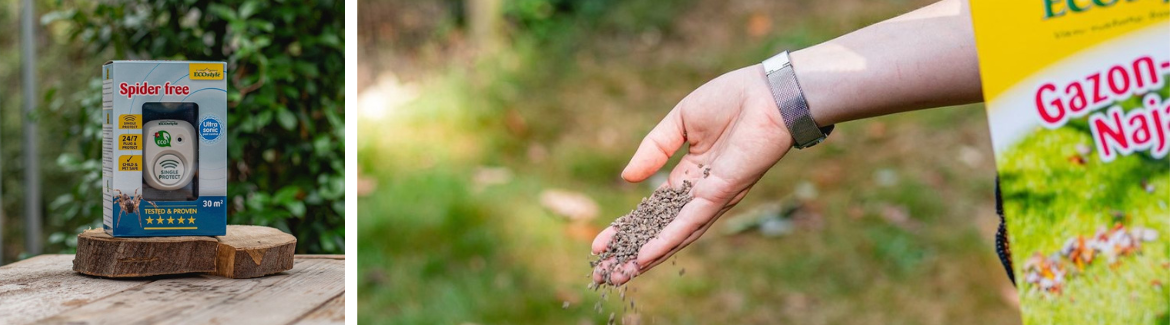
x,y
792,104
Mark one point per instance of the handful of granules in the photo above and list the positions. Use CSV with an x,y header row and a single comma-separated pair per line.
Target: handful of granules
x,y
644,223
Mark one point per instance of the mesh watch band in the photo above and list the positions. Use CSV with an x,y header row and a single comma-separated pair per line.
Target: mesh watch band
x,y
790,100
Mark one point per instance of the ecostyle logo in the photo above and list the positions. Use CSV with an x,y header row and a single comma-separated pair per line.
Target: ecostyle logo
x,y
205,71
162,139
1057,8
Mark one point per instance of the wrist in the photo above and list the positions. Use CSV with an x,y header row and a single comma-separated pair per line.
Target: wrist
x,y
823,102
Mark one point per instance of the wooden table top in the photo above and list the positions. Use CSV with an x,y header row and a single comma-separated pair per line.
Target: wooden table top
x,y
45,290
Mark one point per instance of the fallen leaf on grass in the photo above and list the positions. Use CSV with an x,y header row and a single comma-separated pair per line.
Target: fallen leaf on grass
x,y
581,231
805,191
569,204
515,123
899,216
875,130
568,298
886,177
488,176
970,156
537,153
758,25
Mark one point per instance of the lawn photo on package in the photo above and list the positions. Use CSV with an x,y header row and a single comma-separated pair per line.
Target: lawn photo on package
x,y
1088,237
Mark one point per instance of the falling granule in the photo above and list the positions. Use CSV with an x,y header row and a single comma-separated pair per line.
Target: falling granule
x,y
565,305
682,271
634,230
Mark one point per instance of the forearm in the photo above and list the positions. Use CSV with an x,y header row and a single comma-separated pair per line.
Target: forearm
x,y
922,59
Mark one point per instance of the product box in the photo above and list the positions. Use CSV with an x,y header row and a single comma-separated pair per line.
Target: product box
x,y
164,151
1079,108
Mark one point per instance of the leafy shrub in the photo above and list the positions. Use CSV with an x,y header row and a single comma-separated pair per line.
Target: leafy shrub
x,y
286,104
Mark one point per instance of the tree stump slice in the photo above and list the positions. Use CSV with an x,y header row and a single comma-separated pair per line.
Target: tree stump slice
x,y
253,251
245,252
100,254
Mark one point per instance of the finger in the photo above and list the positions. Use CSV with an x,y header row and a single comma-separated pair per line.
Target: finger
x,y
601,242
623,273
711,195
617,274
598,270
712,198
692,217
694,236
629,270
656,148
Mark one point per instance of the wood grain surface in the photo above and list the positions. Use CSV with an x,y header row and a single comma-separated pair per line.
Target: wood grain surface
x,y
43,290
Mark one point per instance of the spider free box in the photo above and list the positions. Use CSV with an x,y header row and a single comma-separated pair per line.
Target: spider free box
x,y
164,151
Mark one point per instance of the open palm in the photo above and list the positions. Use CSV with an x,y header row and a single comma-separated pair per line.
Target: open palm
x,y
734,128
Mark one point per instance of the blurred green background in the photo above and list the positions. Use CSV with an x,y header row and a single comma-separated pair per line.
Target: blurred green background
x,y
285,97
493,133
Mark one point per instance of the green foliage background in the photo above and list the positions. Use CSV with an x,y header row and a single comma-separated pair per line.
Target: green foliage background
x,y
286,106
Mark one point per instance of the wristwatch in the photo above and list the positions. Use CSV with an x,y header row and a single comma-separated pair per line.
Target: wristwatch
x,y
790,100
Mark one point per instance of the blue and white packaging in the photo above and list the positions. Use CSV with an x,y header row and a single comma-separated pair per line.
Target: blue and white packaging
x,y
164,151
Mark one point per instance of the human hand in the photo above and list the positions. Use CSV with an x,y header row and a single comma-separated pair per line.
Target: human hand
x,y
734,128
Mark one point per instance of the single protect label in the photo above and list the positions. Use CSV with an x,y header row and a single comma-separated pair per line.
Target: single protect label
x,y
169,169
129,163
130,121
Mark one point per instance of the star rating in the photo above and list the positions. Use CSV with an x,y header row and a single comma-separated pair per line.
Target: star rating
x,y
180,220
170,220
191,220
149,220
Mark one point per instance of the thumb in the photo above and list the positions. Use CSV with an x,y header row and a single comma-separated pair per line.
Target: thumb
x,y
656,148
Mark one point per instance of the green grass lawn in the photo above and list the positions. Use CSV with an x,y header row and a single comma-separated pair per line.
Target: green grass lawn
x,y
897,226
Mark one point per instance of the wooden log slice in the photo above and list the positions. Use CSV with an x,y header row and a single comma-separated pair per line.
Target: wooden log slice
x,y
245,252
253,251
100,254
